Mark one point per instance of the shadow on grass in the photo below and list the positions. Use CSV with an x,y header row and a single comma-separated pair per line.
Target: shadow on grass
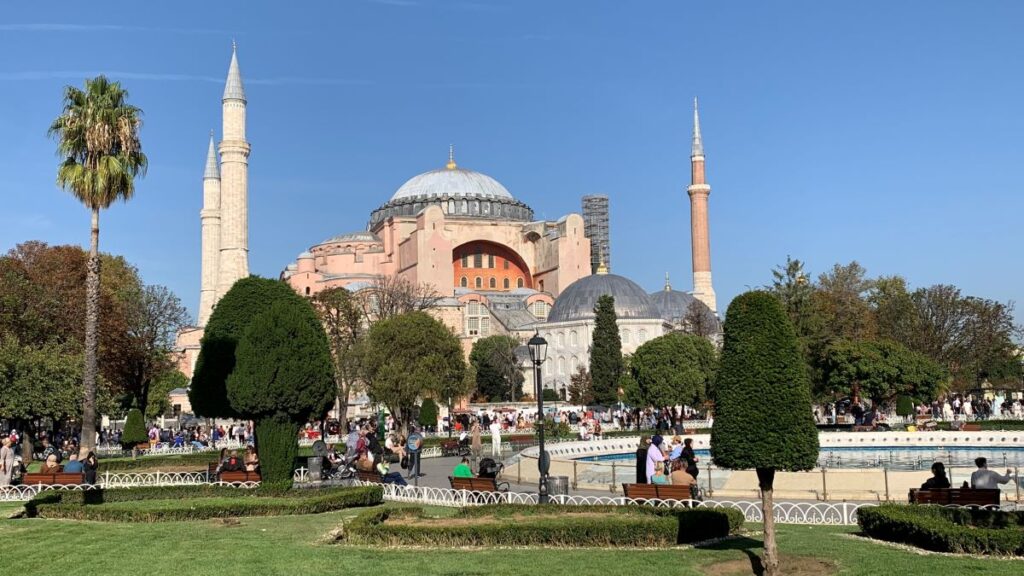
x,y
752,548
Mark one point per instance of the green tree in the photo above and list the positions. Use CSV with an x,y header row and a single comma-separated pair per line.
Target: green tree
x,y
606,366
97,134
282,378
880,371
762,401
38,382
134,432
344,320
842,299
428,413
674,369
158,401
247,299
580,387
409,356
904,406
550,395
498,376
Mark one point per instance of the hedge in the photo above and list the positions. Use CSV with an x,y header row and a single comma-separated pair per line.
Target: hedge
x,y
960,530
571,526
174,503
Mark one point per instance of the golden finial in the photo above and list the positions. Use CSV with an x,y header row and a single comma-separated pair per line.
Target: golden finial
x,y
601,268
451,157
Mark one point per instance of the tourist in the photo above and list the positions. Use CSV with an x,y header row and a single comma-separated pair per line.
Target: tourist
x,y
641,459
387,476
985,478
654,455
50,466
495,429
938,479
659,476
89,466
6,462
476,444
74,466
233,463
462,469
252,460
690,458
50,450
679,476
677,448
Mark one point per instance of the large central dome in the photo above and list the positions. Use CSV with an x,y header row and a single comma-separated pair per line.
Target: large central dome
x,y
452,183
458,192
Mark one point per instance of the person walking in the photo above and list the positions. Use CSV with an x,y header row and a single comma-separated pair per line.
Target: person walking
x,y
6,462
475,444
495,438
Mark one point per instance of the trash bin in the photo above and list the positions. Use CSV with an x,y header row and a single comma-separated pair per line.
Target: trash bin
x,y
313,465
558,485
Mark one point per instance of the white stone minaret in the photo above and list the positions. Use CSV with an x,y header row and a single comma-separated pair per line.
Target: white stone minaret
x,y
210,217
699,190
234,184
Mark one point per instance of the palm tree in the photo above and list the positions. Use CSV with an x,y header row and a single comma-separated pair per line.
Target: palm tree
x,y
97,134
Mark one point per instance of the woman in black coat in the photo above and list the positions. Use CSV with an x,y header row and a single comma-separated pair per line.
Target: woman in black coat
x,y
690,458
641,460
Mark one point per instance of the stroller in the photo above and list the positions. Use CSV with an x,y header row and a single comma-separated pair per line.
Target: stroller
x,y
489,468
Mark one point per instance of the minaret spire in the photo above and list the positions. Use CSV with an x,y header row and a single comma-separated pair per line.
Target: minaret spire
x,y
700,243
209,217
233,263
668,285
212,169
698,144
233,88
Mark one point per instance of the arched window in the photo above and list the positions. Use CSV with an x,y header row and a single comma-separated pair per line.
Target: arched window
x,y
574,364
625,336
574,339
561,339
505,282
519,283
643,336
465,207
451,206
307,290
493,282
479,282
464,282
561,366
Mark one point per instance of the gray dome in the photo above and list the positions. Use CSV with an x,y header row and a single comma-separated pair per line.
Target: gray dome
x,y
673,304
578,300
353,237
451,182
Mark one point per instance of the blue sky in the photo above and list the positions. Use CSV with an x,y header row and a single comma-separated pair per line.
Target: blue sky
x,y
886,132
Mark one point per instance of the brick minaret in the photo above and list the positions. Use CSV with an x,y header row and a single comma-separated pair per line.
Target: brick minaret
x,y
210,217
234,184
699,191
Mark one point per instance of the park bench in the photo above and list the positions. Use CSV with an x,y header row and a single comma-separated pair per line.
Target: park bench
x,y
970,427
60,478
658,492
238,476
368,476
956,496
478,484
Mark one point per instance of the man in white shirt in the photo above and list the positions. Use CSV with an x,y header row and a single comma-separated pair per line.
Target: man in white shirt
x,y
985,478
495,438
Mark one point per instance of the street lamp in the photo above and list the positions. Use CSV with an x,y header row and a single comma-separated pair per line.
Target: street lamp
x,y
538,353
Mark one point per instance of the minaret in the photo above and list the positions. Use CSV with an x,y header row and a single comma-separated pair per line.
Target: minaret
x,y
699,191
234,184
210,217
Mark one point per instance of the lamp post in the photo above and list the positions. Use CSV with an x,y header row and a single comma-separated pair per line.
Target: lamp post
x,y
538,353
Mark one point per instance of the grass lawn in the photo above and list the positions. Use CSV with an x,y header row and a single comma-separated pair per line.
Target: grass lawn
x,y
287,545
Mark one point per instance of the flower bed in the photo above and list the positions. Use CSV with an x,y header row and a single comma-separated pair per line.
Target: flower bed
x,y
157,504
550,525
961,530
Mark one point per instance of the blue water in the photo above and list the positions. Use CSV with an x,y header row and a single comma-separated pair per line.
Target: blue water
x,y
902,458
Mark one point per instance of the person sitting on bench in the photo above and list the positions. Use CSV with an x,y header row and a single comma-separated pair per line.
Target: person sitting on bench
x,y
462,469
938,479
233,463
985,478
388,477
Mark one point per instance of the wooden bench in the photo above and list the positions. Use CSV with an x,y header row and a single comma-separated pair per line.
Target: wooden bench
x,y
368,476
238,476
478,484
60,478
957,496
658,492
970,427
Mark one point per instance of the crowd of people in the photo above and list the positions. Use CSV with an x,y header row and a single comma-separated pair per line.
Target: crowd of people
x,y
661,462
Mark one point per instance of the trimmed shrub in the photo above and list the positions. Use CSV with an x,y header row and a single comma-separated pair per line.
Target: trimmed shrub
x,y
277,450
550,395
904,406
960,530
175,504
134,429
428,413
570,526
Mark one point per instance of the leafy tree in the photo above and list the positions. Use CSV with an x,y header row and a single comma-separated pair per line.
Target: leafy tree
x,y
159,401
904,406
674,369
498,376
428,413
408,356
762,400
795,290
549,395
880,371
391,296
699,320
37,382
606,367
134,432
282,378
893,308
247,299
97,135
344,320
580,387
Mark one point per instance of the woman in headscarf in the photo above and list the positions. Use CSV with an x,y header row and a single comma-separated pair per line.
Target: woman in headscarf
x,y
641,459
654,455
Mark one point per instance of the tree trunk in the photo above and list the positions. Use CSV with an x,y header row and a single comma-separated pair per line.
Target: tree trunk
x,y
26,442
92,313
766,481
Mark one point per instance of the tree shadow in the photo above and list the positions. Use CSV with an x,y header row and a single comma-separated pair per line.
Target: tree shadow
x,y
752,548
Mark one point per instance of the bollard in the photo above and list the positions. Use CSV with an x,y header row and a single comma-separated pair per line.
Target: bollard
x,y
519,471
1016,474
575,479
710,491
614,477
885,470
824,486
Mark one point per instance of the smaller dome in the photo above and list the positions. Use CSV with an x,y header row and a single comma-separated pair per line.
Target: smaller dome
x,y
578,300
305,255
673,304
353,237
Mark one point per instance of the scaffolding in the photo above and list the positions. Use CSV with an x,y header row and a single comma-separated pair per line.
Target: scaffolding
x,y
595,227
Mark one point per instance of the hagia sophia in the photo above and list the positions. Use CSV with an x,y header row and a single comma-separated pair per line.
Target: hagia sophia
x,y
496,269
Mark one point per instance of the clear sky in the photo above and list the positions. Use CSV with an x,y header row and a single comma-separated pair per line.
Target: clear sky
x,y
886,132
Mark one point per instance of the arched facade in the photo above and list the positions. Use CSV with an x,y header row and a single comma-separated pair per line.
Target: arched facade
x,y
497,267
